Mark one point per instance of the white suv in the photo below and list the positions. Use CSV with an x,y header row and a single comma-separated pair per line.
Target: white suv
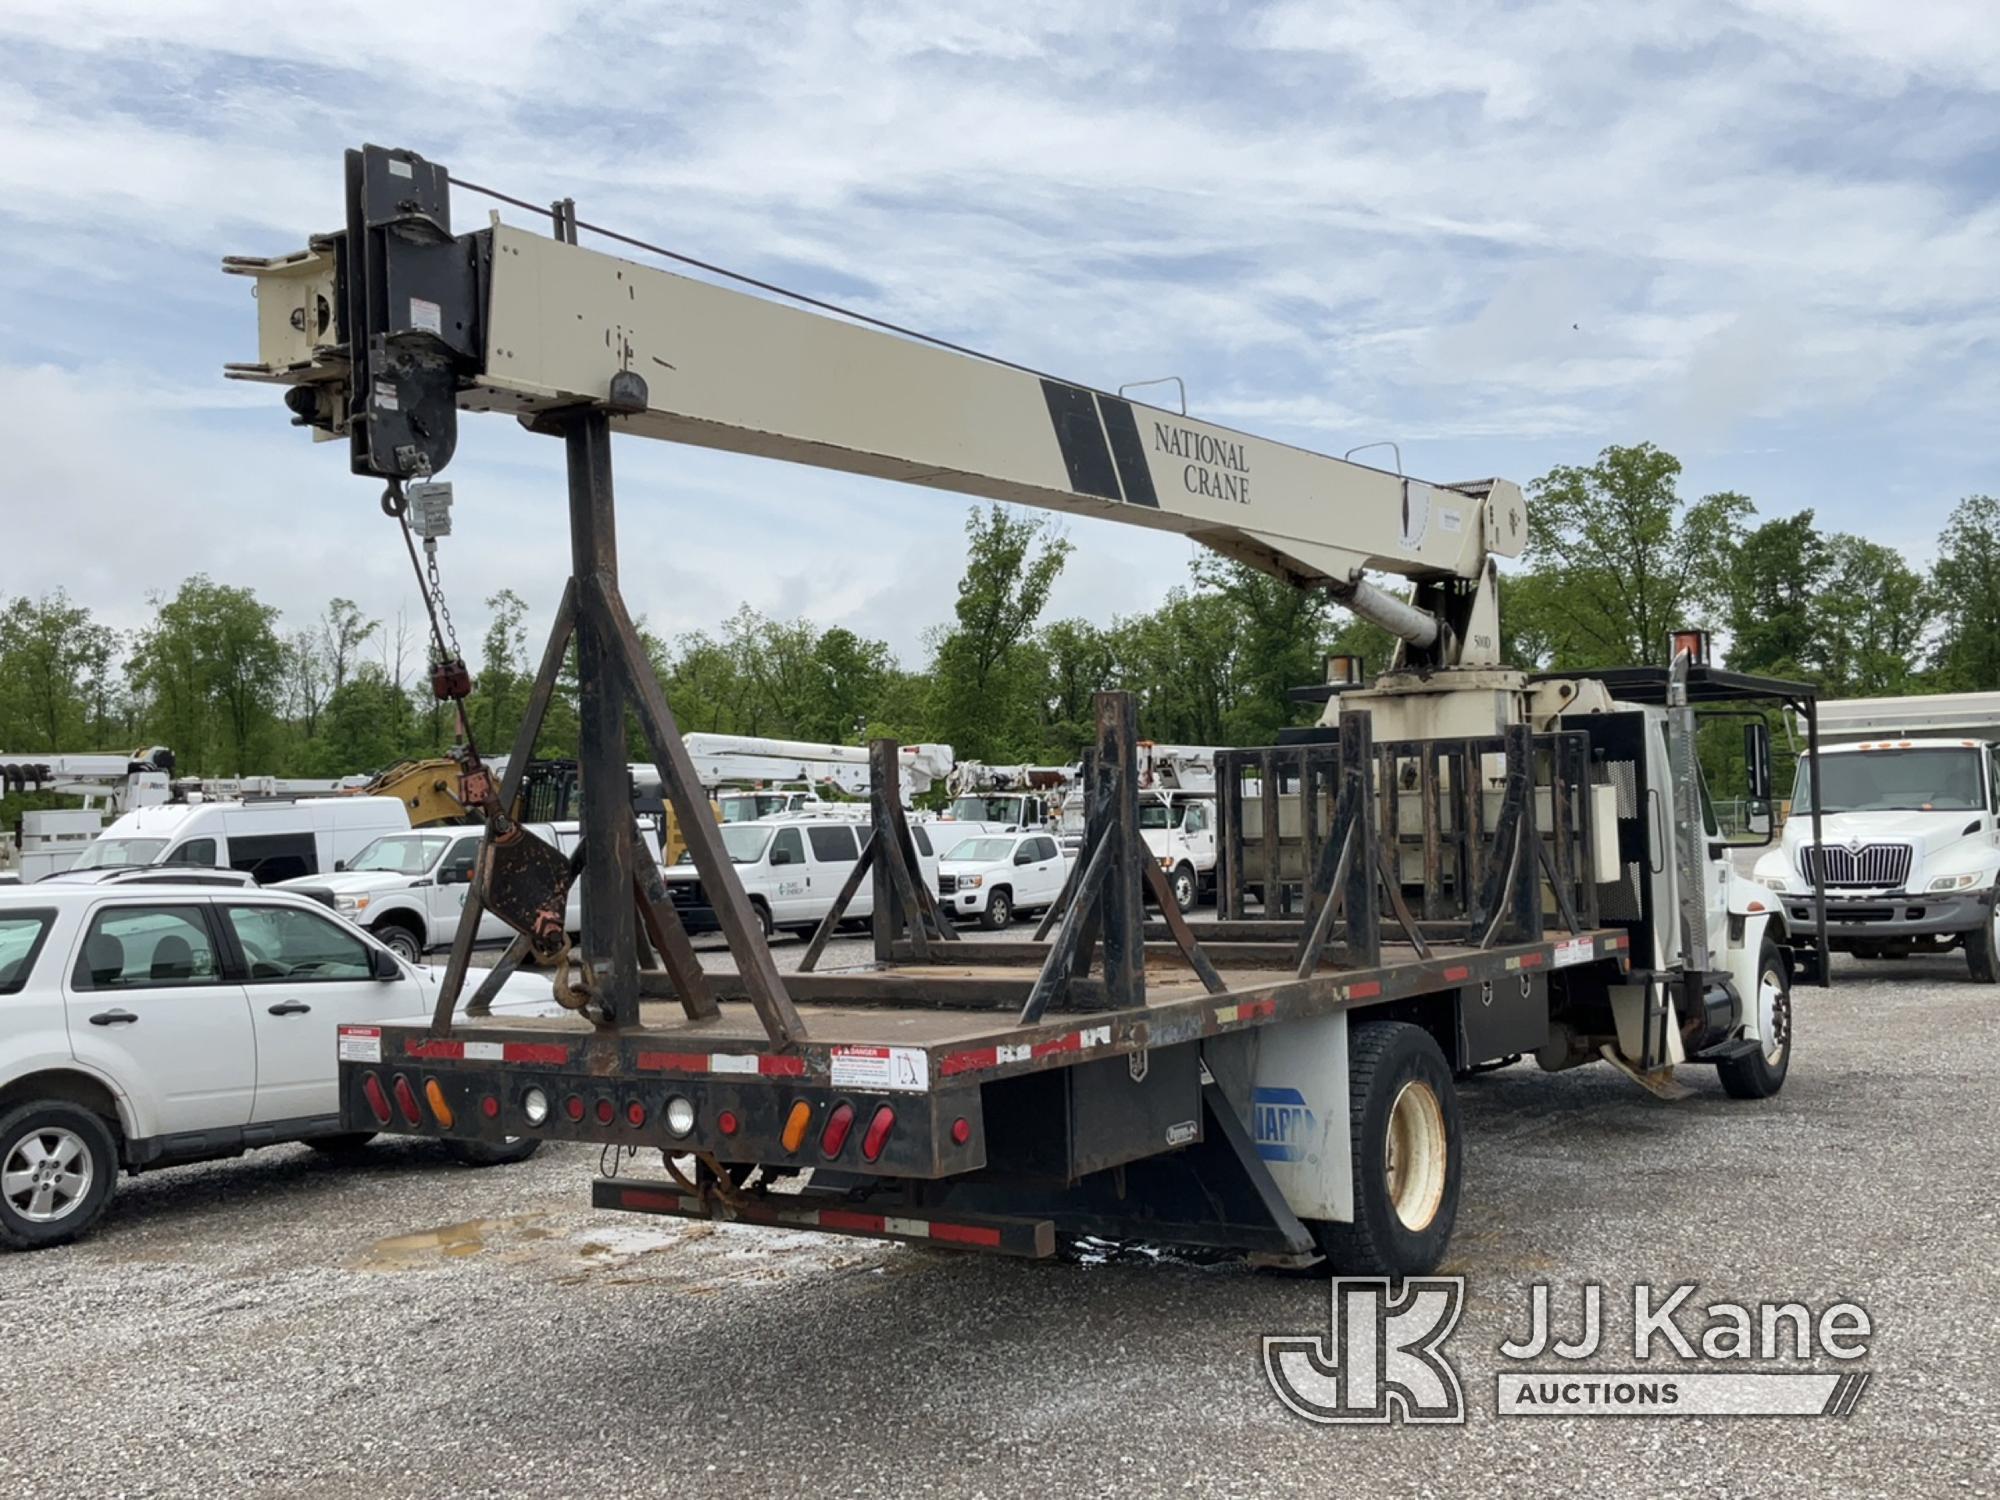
x,y
146,1026
992,876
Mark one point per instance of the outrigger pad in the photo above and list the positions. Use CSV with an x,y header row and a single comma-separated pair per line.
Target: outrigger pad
x,y
524,881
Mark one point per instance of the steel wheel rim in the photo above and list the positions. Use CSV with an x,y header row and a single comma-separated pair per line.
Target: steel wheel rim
x,y
1416,1155
1774,1016
1184,889
47,1174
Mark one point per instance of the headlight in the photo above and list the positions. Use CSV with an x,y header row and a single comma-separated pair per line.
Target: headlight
x,y
1953,883
971,882
1166,861
1774,882
535,1105
680,1115
349,903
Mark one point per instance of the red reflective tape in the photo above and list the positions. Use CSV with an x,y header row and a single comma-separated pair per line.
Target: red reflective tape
x,y
673,1062
434,1050
1368,989
1622,940
1533,960
967,1062
838,1218
1457,972
1073,1042
648,1198
782,1067
965,1234
1256,1010
548,1054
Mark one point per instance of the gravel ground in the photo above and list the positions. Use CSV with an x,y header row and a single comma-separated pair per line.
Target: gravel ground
x,y
282,1325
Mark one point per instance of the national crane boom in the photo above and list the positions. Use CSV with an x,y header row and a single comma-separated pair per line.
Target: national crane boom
x,y
502,319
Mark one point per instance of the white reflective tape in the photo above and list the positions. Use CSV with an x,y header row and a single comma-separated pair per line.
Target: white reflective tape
x,y
1097,1036
1012,1054
732,1062
918,1227
484,1051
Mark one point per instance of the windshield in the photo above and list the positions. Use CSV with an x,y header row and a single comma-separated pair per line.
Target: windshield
x,y
112,854
982,850
1939,780
749,807
1155,815
745,844
400,854
987,809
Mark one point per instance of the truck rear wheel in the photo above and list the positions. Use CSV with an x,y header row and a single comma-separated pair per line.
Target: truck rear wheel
x,y
1762,1073
1982,948
1406,1157
1187,889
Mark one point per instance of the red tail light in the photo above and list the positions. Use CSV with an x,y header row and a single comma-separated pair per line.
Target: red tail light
x,y
726,1122
378,1100
490,1107
635,1112
406,1100
606,1111
838,1124
878,1133
961,1131
573,1106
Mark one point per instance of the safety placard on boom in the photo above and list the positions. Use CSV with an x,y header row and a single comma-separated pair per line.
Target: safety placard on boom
x,y
880,1069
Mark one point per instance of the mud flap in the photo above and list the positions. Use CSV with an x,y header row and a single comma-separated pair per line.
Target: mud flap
x,y
1295,1076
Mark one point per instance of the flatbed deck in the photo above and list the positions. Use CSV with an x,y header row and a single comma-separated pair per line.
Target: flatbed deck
x,y
907,1028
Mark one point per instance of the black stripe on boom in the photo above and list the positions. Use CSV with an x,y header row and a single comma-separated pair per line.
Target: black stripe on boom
x,y
1081,437
1128,450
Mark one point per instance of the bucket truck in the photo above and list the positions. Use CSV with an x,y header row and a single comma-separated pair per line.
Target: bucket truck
x,y
1463,863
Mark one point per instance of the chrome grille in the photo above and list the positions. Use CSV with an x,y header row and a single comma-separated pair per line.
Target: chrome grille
x,y
1874,866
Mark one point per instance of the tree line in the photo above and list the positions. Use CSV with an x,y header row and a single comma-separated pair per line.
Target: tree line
x,y
1616,558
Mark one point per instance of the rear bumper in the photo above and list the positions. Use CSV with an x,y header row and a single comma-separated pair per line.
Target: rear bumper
x,y
1893,914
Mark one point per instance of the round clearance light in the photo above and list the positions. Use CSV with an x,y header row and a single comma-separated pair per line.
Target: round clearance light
x,y
726,1122
535,1105
680,1115
635,1114
606,1111
961,1131
490,1107
573,1107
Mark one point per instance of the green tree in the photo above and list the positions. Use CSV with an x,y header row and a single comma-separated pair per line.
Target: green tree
x,y
55,674
986,665
1281,637
1966,577
1778,576
211,668
1081,661
1624,559
1875,616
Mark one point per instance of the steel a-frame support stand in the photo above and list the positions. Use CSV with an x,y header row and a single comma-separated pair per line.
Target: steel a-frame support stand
x,y
622,892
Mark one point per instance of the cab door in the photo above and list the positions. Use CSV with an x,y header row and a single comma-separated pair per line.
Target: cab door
x,y
305,974
1198,830
450,883
151,1005
790,875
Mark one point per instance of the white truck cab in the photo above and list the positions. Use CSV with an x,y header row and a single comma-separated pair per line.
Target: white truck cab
x,y
792,868
272,841
1910,857
1179,830
997,876
995,812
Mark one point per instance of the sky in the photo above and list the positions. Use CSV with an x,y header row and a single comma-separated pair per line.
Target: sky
x,y
1761,233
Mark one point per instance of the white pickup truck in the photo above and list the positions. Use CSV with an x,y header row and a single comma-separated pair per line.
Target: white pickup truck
x,y
791,869
1910,814
1179,830
145,1025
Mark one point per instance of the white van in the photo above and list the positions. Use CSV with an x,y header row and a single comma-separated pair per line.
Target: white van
x,y
791,869
408,887
270,841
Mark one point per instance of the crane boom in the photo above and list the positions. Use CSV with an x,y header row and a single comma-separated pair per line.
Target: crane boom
x,y
507,320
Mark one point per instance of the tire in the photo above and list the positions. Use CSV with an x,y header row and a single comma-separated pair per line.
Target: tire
x,y
346,1144
763,915
58,1168
1404,1203
1186,887
480,1154
1982,949
401,940
999,911
1762,1073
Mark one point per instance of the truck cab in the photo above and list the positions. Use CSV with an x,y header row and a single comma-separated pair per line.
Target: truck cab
x,y
1178,828
1909,852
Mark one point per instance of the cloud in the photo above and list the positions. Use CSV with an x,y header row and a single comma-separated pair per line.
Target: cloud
x,y
1758,230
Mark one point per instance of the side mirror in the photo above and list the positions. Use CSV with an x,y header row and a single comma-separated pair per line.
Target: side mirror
x,y
1024,857
1757,758
339,865
781,856
383,965
1757,819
